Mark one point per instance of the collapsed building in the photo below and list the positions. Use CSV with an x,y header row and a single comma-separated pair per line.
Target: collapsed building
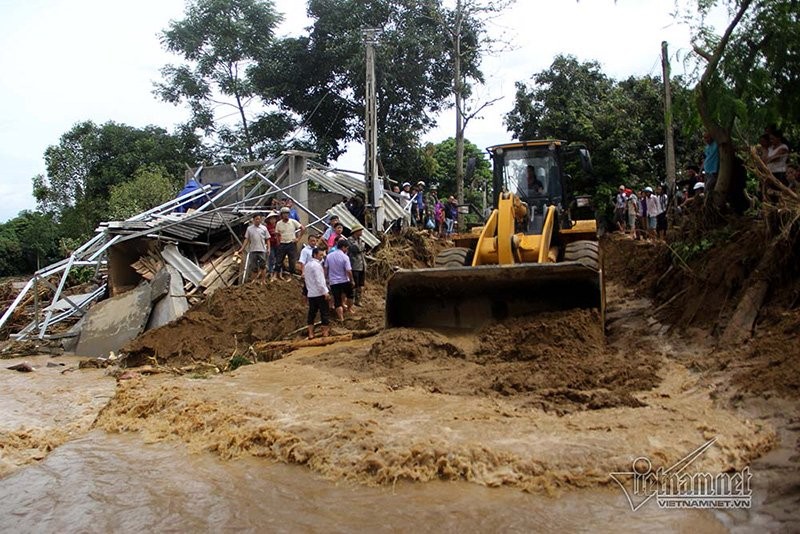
x,y
147,270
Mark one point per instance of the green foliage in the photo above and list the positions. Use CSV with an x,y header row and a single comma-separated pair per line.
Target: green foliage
x,y
220,40
689,249
686,250
444,154
238,361
321,76
90,160
756,81
28,241
621,122
150,187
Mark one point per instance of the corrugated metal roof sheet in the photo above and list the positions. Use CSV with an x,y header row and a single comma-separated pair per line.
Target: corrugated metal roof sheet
x,y
392,209
349,221
188,269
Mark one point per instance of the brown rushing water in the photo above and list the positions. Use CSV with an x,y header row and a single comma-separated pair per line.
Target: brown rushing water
x,y
117,483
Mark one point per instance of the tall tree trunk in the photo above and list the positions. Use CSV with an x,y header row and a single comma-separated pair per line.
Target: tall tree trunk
x,y
727,152
245,128
458,90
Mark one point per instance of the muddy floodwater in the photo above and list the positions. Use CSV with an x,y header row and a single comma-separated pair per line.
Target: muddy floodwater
x,y
118,483
64,473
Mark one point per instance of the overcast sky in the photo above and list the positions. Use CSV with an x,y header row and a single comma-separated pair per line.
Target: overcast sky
x,y
66,61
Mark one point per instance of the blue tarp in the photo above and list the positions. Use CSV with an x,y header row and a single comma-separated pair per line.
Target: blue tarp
x,y
193,185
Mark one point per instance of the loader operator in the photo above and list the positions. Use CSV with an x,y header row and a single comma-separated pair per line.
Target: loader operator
x,y
535,186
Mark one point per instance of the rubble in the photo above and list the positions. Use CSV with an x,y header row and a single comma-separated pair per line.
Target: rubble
x,y
148,270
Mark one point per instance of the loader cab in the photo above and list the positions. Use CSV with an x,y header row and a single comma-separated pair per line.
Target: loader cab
x,y
531,170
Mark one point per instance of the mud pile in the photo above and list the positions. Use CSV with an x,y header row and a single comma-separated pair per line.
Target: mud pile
x,y
233,319
225,324
555,361
410,249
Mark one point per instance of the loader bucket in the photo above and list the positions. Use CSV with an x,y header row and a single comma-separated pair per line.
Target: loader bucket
x,y
469,297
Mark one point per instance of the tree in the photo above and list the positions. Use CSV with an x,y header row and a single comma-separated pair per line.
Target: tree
x,y
465,26
320,77
219,41
151,186
446,156
89,160
747,78
621,122
27,242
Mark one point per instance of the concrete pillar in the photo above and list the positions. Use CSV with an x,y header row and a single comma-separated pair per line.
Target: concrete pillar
x,y
297,166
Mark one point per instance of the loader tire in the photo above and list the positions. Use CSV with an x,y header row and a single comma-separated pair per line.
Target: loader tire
x,y
585,252
454,257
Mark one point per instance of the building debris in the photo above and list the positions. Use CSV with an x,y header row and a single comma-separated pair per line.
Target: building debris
x,y
147,270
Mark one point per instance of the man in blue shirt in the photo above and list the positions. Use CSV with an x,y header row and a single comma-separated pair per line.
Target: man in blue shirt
x,y
289,203
711,162
421,203
340,276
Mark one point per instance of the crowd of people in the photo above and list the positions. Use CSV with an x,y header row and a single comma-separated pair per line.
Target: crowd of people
x,y
643,214
332,266
428,210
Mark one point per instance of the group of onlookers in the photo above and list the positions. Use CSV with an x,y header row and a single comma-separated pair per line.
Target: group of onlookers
x,y
641,214
428,210
331,265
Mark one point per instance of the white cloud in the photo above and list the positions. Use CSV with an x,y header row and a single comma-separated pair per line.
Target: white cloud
x,y
69,61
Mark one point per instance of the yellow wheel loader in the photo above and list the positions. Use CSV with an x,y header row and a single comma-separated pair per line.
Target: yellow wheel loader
x,y
530,257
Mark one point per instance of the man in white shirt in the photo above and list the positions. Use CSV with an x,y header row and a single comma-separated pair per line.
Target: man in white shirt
x,y
289,233
318,295
653,210
305,257
256,242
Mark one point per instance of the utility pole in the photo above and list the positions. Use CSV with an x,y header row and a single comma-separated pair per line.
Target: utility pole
x,y
374,184
669,143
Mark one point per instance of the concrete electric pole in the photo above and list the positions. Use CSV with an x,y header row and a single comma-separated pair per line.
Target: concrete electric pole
x,y
374,183
669,142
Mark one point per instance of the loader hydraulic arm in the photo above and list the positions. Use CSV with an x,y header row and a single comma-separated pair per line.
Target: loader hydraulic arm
x,y
499,245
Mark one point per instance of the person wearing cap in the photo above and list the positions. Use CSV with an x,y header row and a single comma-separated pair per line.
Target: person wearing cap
x,y
619,209
405,194
355,251
632,210
289,232
272,255
318,294
340,276
256,242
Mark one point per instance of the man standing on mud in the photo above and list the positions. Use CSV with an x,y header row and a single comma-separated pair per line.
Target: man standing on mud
x,y
318,295
256,241
340,275
289,232
305,257
356,253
